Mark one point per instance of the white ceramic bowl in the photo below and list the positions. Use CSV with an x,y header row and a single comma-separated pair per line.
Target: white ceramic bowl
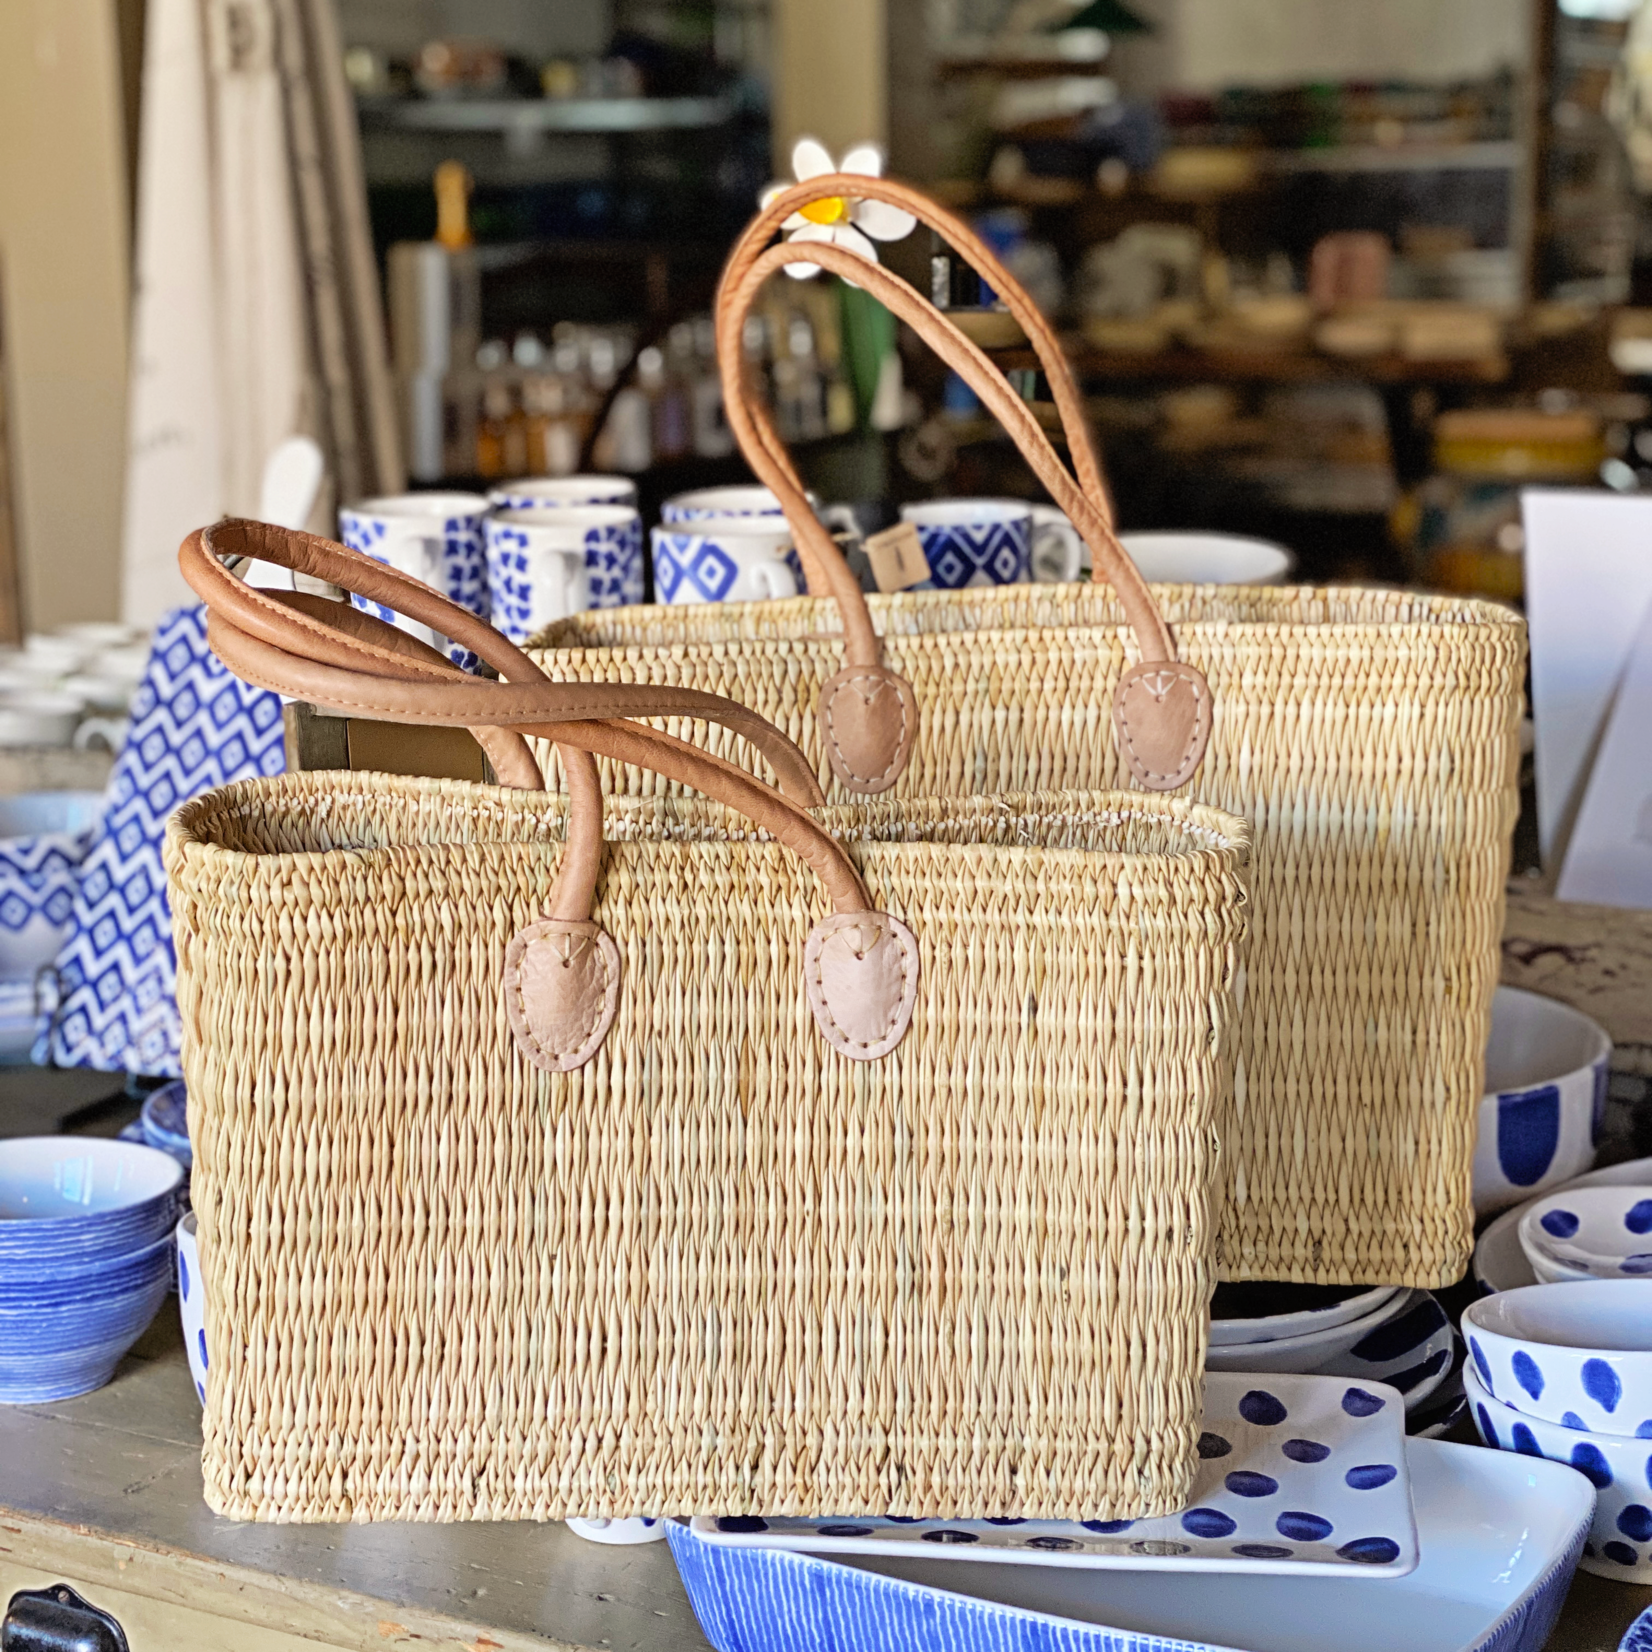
x,y
1579,1355
32,718
1406,1343
1590,1232
1546,1076
192,1303
1499,1262
622,1533
1499,1538
1620,1539
1288,1321
1207,559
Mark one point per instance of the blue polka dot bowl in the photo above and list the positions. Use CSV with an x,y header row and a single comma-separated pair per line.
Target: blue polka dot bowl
x,y
1589,1233
1619,1467
1500,1538
1540,1116
192,1304
1577,1355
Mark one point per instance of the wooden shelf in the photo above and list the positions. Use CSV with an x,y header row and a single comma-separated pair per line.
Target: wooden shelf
x,y
1262,366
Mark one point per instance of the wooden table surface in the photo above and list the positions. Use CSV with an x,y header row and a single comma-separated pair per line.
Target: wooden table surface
x,y
105,1491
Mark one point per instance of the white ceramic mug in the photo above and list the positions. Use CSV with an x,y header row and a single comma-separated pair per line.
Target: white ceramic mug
x,y
725,559
528,493
974,541
557,560
712,504
1059,553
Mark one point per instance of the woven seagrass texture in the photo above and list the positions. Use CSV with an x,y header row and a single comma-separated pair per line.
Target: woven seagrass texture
x,y
1370,739
719,1268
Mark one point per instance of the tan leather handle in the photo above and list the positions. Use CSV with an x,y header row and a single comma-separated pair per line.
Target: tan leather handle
x,y
1052,358
1162,708
562,972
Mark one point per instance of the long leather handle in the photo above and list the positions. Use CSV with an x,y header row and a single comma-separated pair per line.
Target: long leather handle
x,y
562,972
969,361
1162,710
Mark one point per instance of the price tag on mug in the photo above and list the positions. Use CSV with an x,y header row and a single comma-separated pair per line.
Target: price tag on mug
x,y
897,558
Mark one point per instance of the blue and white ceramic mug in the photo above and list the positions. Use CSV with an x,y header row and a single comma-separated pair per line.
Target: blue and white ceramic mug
x,y
713,504
434,537
528,493
974,541
546,564
725,559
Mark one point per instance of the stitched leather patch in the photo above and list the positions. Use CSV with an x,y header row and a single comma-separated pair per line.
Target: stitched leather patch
x,y
860,970
561,991
1161,719
869,717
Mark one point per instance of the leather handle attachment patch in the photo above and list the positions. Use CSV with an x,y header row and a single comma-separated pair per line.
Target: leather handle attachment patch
x,y
562,979
860,970
869,718
1161,719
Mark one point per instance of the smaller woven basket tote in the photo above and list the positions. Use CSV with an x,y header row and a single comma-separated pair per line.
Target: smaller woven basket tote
x,y
712,1154
1369,736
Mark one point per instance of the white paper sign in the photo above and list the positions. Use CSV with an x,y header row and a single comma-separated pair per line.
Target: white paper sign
x,y
1588,582
1609,861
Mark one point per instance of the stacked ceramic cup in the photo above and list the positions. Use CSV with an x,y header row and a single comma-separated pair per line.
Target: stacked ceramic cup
x,y
44,837
1564,1371
85,1259
1381,1334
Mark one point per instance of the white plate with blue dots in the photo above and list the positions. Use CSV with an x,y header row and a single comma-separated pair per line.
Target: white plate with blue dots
x,y
1298,1476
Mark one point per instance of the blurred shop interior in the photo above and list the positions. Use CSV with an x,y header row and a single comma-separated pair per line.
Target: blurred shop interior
x,y
1344,276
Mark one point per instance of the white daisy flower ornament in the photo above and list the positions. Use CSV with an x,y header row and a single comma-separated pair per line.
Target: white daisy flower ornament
x,y
840,219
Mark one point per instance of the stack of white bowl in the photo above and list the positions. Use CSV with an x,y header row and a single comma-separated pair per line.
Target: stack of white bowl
x,y
1584,1233
1564,1371
71,686
85,1259
1386,1333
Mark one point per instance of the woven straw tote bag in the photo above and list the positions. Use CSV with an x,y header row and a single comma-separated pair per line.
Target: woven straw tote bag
x,y
1369,736
720,1155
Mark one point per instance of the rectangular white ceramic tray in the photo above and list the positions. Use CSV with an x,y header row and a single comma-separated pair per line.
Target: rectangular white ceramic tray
x,y
1301,1476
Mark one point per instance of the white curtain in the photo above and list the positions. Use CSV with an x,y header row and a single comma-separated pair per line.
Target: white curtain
x,y
257,312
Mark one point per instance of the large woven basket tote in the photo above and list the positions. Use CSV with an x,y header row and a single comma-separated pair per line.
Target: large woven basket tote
x,y
1370,737
728,1154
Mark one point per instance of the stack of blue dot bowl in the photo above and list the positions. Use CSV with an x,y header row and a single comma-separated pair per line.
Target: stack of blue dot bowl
x,y
86,1259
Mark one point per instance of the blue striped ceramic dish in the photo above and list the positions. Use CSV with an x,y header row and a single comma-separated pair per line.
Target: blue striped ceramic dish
x,y
1500,1534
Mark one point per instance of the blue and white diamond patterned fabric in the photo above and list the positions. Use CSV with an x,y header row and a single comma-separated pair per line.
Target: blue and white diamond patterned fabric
x,y
194,726
463,557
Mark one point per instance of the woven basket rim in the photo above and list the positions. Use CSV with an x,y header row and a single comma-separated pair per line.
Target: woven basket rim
x,y
1417,618
1192,832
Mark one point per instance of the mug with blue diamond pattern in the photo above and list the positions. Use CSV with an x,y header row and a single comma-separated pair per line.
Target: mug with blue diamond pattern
x,y
725,559
548,563
528,493
435,537
974,541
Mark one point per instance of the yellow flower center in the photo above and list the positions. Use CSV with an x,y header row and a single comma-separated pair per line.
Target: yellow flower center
x,y
828,211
